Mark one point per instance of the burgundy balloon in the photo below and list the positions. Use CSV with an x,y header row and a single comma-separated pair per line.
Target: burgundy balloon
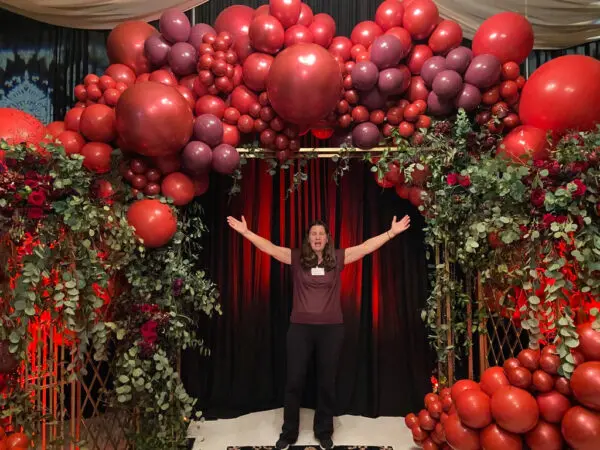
x,y
469,98
266,34
196,157
197,34
447,84
438,106
365,135
157,50
581,428
484,71
341,138
286,11
208,128
298,34
373,99
386,51
174,25
182,58
553,406
256,71
365,75
545,436
459,59
225,159
392,81
431,68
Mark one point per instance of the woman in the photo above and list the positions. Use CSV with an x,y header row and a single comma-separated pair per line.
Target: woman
x,y
316,321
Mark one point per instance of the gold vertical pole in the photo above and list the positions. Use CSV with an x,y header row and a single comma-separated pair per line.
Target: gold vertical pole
x,y
483,342
449,321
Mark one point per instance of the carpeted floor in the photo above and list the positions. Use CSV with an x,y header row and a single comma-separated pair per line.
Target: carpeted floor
x,y
310,447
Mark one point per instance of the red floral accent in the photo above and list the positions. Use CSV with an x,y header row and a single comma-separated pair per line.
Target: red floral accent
x,y
537,197
581,188
464,181
36,198
148,332
35,213
452,179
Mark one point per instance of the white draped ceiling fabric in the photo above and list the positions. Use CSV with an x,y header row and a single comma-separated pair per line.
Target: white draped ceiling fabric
x,y
557,23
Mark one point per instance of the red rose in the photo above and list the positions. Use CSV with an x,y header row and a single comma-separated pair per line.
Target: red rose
x,y
561,219
35,213
36,198
537,197
548,220
452,179
148,332
581,188
464,181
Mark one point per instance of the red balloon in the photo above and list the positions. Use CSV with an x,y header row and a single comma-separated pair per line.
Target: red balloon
x,y
236,20
96,157
364,33
55,128
266,34
231,135
323,29
389,14
189,96
411,420
341,46
544,436
154,222
210,104
446,36
589,342
519,377
523,143
581,428
178,187
125,45
162,76
461,386
553,406
167,164
529,358
286,11
201,184
98,123
473,408
563,385
549,362
493,379
417,57
420,18
242,98
404,38
18,127
495,438
73,118
154,119
71,141
542,381
507,35
558,96
304,84
256,70
417,90
306,15
262,10
585,383
298,34
459,436
511,363
121,73
514,409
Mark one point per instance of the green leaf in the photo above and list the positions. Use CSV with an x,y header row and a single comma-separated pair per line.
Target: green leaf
x,y
123,379
14,338
534,300
20,305
572,343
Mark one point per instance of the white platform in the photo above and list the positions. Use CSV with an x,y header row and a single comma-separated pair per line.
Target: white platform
x,y
263,428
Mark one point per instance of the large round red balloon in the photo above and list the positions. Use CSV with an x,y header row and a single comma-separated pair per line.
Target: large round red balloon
x,y
98,123
256,71
495,438
507,35
473,408
154,119
125,45
514,409
420,18
589,342
154,222
286,11
493,379
178,187
96,157
266,34
585,383
553,406
561,95
523,143
18,127
459,436
236,20
581,428
304,84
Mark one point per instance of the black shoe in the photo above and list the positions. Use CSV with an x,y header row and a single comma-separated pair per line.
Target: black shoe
x,y
282,444
326,444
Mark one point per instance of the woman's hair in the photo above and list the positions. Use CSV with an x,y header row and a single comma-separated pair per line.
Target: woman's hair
x,y
309,259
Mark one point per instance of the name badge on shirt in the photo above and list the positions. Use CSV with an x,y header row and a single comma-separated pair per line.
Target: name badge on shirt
x,y
317,271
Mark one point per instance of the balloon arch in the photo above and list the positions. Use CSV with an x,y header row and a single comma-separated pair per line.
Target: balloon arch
x,y
182,101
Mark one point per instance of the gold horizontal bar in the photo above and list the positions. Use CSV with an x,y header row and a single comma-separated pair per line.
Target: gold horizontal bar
x,y
320,152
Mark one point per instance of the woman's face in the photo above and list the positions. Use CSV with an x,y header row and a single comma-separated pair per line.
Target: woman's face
x,y
317,237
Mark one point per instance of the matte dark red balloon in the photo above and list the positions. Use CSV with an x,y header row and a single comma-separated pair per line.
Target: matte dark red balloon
x,y
154,222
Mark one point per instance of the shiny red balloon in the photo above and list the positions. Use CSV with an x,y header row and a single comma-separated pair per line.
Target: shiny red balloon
x,y
417,57
154,119
389,14
323,29
304,84
524,143
585,384
17,126
446,36
189,95
286,11
306,15
495,438
461,386
154,222
210,104
236,20
364,33
242,99
581,428
231,135
507,35
125,45
98,123
96,157
529,358
178,187
553,406
256,70
403,36
544,436
55,128
493,379
71,141
298,34
589,342
519,377
420,18
542,381
341,46
558,95
473,408
460,436
121,74
514,409
266,34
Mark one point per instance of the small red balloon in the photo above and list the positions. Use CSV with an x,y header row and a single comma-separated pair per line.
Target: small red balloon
x,y
553,406
286,11
96,157
364,33
98,123
417,57
389,14
178,187
545,436
154,222
420,18
495,438
266,34
71,141
73,118
446,36
493,379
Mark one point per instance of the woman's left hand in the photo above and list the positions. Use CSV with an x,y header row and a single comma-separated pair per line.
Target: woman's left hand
x,y
399,226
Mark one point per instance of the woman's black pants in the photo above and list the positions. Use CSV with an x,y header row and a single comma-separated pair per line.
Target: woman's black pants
x,y
302,341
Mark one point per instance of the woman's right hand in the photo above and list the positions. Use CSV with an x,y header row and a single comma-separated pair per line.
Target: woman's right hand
x,y
239,226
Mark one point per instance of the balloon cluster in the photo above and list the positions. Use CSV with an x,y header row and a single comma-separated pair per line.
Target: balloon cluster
x,y
525,402
14,441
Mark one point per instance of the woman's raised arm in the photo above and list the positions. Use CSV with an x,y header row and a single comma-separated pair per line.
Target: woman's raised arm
x,y
281,254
